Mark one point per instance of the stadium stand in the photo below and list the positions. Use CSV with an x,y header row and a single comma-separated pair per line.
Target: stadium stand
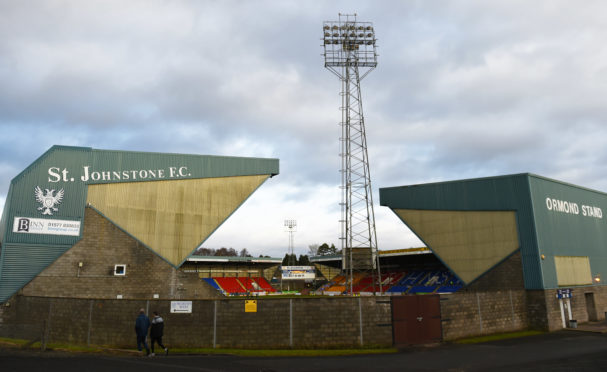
x,y
230,285
264,285
240,285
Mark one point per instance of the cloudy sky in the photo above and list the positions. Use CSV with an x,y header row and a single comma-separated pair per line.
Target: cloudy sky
x,y
463,89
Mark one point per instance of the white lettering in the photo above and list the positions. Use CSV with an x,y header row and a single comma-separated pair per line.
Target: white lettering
x,y
52,172
568,207
85,176
56,174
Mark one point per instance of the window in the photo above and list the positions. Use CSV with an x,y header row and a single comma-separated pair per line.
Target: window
x,y
120,270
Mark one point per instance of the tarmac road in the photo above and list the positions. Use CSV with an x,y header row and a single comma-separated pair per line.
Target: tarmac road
x,y
557,351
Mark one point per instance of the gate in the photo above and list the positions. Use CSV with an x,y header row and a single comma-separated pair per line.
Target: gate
x,y
416,320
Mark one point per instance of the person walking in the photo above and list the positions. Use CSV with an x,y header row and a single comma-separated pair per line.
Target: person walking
x,y
142,324
157,331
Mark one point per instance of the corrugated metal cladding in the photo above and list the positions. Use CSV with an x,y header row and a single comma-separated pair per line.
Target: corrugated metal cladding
x,y
20,261
570,221
553,218
69,171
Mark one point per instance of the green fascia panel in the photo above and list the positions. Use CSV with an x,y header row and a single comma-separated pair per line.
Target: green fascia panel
x,y
21,264
502,193
70,170
570,221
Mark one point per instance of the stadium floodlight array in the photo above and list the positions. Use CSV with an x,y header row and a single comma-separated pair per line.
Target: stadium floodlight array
x,y
291,227
348,42
350,52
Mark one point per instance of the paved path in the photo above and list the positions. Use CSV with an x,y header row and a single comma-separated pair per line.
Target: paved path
x,y
557,351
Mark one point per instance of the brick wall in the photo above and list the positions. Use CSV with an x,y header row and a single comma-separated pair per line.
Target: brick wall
x,y
278,323
104,245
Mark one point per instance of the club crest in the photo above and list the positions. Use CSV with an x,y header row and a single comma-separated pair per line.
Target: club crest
x,y
48,199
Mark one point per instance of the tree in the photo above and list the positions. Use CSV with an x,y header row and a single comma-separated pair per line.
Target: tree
x,y
244,253
223,251
205,252
289,260
313,249
324,249
304,260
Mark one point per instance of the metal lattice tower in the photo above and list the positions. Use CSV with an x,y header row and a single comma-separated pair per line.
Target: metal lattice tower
x,y
350,53
291,227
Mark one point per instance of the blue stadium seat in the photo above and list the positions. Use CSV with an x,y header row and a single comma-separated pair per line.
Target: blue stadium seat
x,y
212,282
422,289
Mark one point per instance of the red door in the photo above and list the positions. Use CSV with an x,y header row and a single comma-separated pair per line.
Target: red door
x,y
416,319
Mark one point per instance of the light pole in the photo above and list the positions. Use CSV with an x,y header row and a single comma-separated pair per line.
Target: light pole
x,y
291,227
350,52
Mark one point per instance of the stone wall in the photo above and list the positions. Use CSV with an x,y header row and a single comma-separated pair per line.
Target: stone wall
x,y
545,310
470,314
278,323
494,303
102,246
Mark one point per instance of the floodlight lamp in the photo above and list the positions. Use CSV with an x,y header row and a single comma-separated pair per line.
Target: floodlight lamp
x,y
326,27
335,34
334,27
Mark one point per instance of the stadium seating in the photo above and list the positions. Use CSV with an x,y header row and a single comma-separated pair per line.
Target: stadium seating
x,y
212,282
249,284
240,285
263,284
230,285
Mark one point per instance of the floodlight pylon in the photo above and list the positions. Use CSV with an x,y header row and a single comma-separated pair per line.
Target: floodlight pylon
x,y
291,227
350,52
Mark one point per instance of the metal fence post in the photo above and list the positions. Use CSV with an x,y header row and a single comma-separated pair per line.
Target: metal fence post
x,y
360,320
291,322
480,316
88,334
215,324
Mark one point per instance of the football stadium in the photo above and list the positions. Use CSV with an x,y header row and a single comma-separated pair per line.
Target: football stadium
x,y
90,236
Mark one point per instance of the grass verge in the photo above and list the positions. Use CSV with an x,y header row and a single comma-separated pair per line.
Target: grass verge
x,y
24,344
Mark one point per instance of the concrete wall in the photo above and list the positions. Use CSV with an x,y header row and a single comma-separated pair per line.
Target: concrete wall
x,y
278,323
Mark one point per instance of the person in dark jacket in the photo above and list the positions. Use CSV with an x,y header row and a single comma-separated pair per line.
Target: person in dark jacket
x,y
157,331
142,324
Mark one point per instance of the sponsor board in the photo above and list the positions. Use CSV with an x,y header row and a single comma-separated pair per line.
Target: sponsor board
x,y
184,307
298,272
26,225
